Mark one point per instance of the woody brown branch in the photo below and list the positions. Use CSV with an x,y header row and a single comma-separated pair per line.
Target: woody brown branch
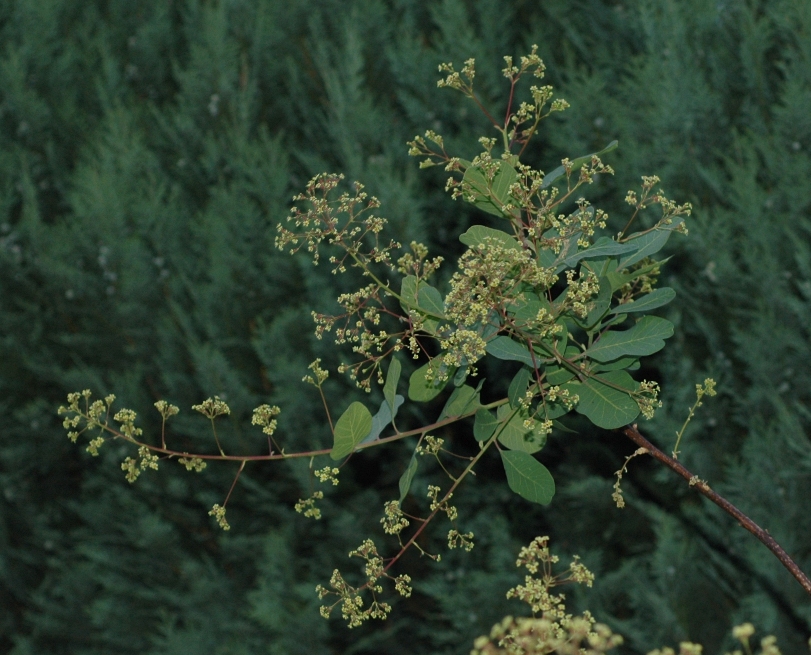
x,y
703,488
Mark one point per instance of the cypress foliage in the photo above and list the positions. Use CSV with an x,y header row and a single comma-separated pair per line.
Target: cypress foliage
x,y
145,157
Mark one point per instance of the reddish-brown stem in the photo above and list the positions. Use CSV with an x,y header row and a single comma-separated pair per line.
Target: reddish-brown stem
x,y
234,483
702,487
468,469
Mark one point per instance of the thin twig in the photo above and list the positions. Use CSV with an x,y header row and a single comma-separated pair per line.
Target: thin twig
x,y
763,535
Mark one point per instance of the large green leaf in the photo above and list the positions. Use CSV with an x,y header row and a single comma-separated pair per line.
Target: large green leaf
x,y
644,338
392,378
383,417
560,171
420,389
604,405
515,436
463,400
408,292
354,424
649,243
527,477
484,425
525,308
423,298
430,301
548,258
407,477
558,375
654,299
503,347
603,247
490,195
479,235
519,385
618,280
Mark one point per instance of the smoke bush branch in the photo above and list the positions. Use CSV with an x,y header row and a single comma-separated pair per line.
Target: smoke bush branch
x,y
634,435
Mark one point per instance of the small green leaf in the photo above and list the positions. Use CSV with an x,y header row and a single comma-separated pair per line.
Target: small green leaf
x,y
519,385
490,196
503,347
392,378
420,389
484,425
463,400
527,477
606,406
479,235
560,171
644,338
652,300
354,424
407,477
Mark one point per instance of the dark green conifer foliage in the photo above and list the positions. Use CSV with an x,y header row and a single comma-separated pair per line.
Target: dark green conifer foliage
x,y
145,157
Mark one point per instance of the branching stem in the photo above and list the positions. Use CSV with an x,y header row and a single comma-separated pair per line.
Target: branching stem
x,y
763,535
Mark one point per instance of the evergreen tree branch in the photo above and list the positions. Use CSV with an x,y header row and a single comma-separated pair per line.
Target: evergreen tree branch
x,y
634,435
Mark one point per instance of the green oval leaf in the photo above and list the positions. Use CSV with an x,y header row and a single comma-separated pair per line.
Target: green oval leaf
x,y
420,389
645,338
383,417
407,477
354,424
484,425
560,171
463,400
480,235
603,247
503,347
656,298
606,406
392,378
430,301
649,243
487,195
519,385
515,436
527,477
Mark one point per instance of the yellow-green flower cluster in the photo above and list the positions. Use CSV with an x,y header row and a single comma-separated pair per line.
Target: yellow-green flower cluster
x,y
265,415
458,539
211,408
394,521
134,467
165,409
442,505
554,631
218,512
349,597
192,464
432,446
647,397
308,506
328,474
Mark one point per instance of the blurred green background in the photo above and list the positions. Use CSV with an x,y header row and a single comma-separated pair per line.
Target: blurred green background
x,y
147,151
